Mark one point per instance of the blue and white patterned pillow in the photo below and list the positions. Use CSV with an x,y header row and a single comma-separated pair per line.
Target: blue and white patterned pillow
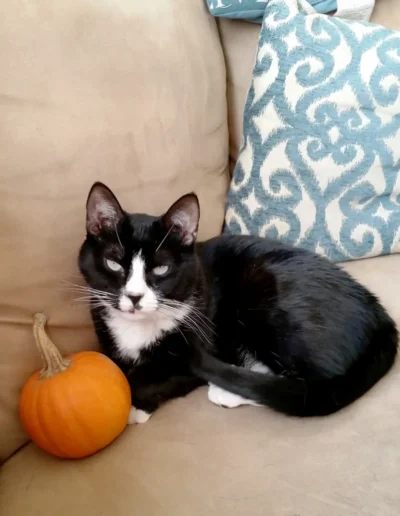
x,y
250,10
320,163
253,10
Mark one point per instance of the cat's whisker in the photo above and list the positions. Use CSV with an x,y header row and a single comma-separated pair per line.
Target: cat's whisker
x,y
164,239
192,307
190,315
188,321
74,276
91,299
196,330
90,291
96,293
195,314
183,335
97,306
196,319
70,284
201,324
116,232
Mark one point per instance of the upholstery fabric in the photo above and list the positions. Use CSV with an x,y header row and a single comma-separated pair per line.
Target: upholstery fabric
x,y
193,458
79,102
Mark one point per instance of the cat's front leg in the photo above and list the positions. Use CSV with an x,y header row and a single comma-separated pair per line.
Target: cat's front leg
x,y
138,416
144,403
147,397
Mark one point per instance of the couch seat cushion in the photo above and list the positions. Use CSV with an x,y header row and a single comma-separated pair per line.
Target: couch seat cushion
x,y
193,458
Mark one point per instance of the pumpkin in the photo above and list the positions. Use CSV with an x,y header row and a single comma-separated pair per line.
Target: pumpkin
x,y
76,405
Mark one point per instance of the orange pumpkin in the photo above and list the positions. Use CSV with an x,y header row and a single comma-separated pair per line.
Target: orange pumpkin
x,y
74,406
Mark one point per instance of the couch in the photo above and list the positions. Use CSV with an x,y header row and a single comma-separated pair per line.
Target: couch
x,y
149,99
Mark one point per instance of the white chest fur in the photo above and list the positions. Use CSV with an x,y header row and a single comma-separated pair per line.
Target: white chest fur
x,y
133,336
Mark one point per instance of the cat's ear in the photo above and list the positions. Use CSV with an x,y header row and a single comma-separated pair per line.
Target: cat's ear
x,y
182,219
103,211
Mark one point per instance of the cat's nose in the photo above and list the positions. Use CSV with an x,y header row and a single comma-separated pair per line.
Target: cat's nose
x,y
136,300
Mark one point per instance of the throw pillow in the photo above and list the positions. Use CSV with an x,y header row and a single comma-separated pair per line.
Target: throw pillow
x,y
250,10
320,163
253,10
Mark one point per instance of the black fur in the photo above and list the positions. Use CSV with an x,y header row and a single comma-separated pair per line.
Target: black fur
x,y
162,372
327,339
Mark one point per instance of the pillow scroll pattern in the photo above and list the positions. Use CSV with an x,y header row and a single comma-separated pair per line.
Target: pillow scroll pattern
x,y
320,162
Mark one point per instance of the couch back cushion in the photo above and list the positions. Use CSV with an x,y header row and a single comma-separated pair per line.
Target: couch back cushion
x,y
131,96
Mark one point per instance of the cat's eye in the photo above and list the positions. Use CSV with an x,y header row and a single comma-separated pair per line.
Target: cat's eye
x,y
113,266
161,270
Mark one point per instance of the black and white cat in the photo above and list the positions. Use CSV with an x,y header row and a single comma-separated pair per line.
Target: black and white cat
x,y
262,322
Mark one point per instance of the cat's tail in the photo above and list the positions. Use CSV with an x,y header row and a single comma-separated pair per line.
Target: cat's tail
x,y
301,397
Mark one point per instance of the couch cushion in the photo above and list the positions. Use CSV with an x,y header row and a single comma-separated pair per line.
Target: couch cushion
x,y
129,95
193,458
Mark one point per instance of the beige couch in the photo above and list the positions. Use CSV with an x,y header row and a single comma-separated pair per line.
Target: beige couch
x,y
136,96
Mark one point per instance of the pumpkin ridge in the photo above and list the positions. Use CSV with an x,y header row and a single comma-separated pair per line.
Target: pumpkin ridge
x,y
86,437
54,447
95,379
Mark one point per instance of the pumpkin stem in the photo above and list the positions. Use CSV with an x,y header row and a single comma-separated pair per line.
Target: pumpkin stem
x,y
52,360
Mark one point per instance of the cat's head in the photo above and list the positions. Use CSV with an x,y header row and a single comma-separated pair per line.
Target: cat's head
x,y
138,264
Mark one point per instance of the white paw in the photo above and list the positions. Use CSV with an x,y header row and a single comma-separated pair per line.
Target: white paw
x,y
138,416
225,398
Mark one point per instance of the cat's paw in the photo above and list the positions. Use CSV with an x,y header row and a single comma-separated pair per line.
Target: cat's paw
x,y
138,416
225,398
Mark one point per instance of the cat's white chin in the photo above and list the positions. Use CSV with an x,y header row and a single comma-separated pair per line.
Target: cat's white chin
x,y
137,315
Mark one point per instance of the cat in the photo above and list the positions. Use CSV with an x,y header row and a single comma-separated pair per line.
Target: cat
x,y
261,322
